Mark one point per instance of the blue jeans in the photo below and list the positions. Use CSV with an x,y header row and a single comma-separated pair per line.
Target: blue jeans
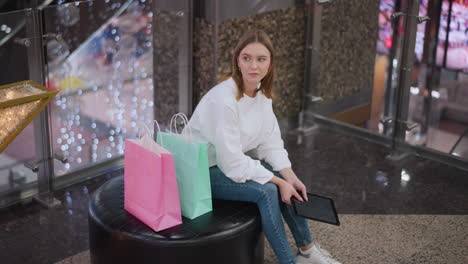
x,y
271,207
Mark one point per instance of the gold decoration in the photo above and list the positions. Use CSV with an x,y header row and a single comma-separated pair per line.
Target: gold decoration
x,y
20,103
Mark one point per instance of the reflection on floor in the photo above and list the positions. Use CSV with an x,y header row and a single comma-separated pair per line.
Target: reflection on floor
x,y
412,212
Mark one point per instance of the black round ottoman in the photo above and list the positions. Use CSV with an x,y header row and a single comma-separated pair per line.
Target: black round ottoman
x,y
230,234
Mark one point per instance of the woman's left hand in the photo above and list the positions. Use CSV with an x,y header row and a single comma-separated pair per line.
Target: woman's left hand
x,y
289,176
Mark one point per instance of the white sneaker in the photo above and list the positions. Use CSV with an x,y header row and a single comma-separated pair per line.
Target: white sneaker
x,y
315,255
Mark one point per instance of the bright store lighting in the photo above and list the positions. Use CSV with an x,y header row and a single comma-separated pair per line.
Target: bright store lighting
x,y
405,176
414,90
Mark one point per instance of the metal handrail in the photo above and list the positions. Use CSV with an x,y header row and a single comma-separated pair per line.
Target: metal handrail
x,y
5,39
45,4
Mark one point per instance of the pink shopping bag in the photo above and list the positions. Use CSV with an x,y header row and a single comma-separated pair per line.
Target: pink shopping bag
x,y
150,184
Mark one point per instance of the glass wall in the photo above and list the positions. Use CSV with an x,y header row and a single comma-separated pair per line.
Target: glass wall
x,y
447,81
100,58
117,66
436,108
16,180
356,74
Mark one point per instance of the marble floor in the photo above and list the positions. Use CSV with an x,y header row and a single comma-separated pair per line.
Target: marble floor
x,y
402,239
415,211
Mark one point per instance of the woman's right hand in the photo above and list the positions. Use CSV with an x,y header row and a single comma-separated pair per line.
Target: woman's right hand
x,y
286,190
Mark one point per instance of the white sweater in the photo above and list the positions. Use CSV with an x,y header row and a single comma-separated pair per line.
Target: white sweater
x,y
238,131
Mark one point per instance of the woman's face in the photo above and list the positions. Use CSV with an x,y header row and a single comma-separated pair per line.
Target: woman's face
x,y
254,61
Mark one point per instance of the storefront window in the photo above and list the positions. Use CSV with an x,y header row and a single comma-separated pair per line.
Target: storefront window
x,y
101,60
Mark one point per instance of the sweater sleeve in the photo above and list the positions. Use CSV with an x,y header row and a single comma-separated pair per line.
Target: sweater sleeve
x,y
224,124
271,148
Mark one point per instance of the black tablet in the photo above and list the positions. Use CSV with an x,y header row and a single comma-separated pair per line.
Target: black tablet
x,y
318,208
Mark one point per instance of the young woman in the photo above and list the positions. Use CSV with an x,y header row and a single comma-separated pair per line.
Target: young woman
x,y
237,120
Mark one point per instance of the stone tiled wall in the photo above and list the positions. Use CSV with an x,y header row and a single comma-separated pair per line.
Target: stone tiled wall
x,y
166,66
347,51
347,48
204,61
285,27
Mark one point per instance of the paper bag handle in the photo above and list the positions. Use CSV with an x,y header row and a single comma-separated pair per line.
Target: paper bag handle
x,y
152,134
173,124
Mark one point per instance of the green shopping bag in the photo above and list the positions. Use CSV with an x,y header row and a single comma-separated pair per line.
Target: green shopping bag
x,y
192,170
